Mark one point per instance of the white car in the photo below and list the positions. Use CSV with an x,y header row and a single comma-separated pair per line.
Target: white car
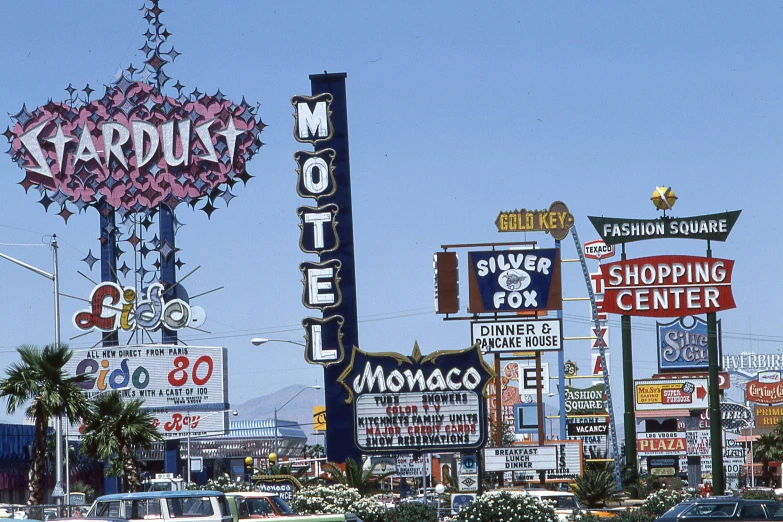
x,y
564,503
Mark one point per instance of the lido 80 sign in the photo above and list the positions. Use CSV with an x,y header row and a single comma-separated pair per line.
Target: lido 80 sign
x,y
414,404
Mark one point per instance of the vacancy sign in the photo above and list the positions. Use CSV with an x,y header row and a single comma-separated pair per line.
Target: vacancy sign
x,y
667,286
670,394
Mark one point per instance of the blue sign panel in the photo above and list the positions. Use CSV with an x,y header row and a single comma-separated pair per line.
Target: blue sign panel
x,y
526,417
683,347
514,280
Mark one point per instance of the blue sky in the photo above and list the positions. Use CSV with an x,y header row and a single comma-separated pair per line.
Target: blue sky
x,y
456,111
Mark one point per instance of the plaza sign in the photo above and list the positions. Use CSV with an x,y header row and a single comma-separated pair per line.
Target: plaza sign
x,y
711,227
667,286
419,403
666,443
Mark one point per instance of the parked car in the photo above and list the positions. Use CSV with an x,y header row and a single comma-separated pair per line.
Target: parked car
x,y
723,508
249,505
182,506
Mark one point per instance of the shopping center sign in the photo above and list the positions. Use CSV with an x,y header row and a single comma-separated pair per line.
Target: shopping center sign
x,y
418,403
667,286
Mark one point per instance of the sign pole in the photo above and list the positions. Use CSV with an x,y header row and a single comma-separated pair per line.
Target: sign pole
x,y
716,424
629,419
498,412
540,399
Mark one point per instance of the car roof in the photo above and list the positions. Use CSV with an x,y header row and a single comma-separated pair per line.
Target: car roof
x,y
251,494
160,494
547,493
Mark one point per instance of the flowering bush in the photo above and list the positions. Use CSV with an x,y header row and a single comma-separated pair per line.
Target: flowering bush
x,y
661,501
222,483
414,512
337,499
501,505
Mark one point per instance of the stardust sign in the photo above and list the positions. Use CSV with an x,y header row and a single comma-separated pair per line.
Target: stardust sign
x,y
166,377
667,286
533,335
418,403
510,281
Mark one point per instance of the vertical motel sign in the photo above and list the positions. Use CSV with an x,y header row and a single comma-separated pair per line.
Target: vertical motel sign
x,y
326,230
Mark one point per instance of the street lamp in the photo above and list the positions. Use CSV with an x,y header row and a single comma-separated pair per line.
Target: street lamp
x,y
58,488
316,387
190,429
258,341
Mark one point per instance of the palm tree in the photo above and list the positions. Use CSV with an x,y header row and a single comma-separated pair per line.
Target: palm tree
x,y
40,383
767,448
114,430
595,487
355,475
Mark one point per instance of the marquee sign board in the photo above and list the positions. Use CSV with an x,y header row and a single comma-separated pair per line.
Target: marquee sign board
x,y
664,443
683,348
668,286
588,429
413,465
712,227
520,458
419,403
526,335
569,461
514,280
180,423
167,377
670,394
556,221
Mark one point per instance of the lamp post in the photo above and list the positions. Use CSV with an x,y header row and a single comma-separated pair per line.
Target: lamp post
x,y
59,421
258,341
190,430
316,387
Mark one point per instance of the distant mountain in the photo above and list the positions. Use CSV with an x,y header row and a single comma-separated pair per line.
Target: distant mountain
x,y
299,409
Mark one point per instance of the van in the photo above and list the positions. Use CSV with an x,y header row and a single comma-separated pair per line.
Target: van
x,y
255,504
166,506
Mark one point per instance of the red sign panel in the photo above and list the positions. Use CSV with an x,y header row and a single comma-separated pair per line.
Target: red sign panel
x,y
667,286
765,392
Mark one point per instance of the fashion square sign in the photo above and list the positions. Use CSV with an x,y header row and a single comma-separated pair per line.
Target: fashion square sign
x,y
418,403
667,286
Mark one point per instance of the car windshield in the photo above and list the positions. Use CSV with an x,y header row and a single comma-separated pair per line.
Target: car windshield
x,y
704,509
774,510
679,508
561,501
281,506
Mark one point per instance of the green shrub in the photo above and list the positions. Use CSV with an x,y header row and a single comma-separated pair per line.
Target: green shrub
x,y
413,512
757,494
508,507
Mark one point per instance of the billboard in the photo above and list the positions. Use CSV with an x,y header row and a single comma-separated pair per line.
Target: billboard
x,y
711,227
663,443
768,416
683,347
597,249
418,403
520,458
514,280
670,394
586,401
567,466
528,335
765,391
171,378
667,286
556,221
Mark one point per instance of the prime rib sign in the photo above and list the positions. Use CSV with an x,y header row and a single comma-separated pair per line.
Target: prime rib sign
x,y
668,286
418,403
